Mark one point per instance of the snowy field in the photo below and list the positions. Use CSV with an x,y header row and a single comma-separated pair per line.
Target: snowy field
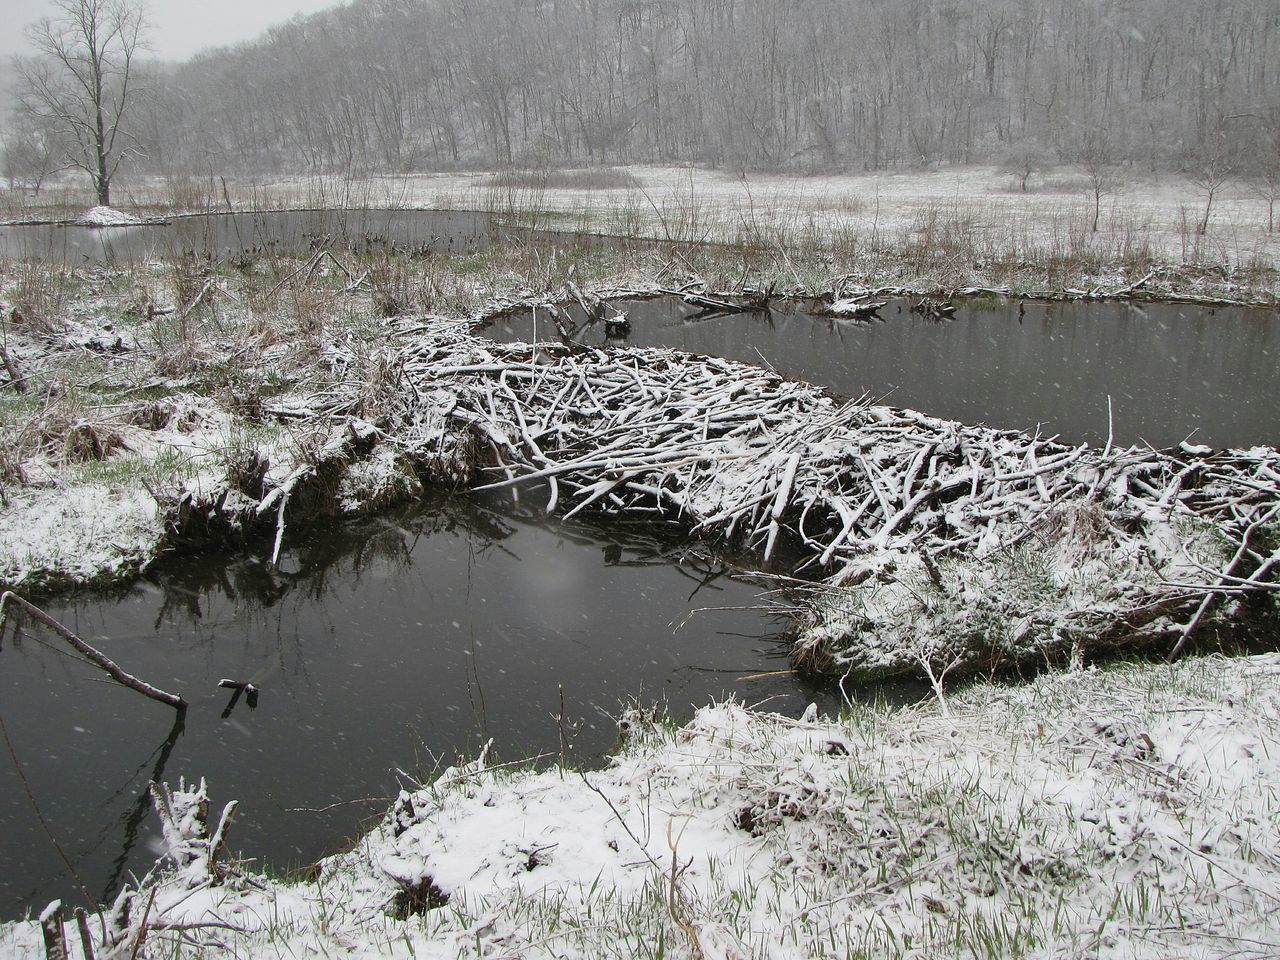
x,y
1143,217
1125,813
1157,213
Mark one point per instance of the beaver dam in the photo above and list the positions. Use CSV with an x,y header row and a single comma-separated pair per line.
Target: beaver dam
x,y
940,543
1172,371
902,544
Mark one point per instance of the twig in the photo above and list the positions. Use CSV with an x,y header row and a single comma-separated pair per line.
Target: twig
x,y
86,938
935,681
220,836
133,683
142,928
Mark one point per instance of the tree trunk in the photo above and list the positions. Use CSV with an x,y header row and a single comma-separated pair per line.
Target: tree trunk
x,y
1204,221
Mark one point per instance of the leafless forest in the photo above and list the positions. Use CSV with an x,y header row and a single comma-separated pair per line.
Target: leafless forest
x,y
796,85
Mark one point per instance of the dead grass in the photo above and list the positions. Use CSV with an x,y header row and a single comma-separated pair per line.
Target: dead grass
x,y
38,296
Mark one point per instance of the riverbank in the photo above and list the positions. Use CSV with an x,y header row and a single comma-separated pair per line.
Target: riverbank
x,y
928,230
179,405
1124,812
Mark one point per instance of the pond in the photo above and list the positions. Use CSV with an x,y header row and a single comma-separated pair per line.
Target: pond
x,y
392,644
1173,372
282,232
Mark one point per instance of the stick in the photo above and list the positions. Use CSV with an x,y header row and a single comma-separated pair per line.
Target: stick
x,y
86,938
780,503
275,551
1224,577
142,930
55,940
16,380
220,836
100,659
204,292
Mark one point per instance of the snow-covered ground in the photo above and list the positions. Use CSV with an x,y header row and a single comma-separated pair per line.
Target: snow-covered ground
x,y
107,217
1156,213
1126,813
1122,813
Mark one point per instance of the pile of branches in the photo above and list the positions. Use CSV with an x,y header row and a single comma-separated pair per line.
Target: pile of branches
x,y
860,492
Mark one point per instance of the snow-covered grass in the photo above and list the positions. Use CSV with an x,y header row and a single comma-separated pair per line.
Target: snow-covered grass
x,y
953,226
1127,812
142,424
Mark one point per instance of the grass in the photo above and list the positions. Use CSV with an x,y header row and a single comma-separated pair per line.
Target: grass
x,y
1078,814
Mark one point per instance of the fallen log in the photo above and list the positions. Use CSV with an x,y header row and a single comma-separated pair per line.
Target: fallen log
x,y
851,309
16,380
133,683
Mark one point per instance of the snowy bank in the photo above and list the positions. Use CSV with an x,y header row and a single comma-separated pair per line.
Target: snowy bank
x,y
108,217
1119,813
929,545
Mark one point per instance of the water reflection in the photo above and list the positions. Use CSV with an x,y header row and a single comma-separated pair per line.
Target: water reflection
x,y
393,644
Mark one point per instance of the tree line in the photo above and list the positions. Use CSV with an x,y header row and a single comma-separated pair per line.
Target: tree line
x,y
796,85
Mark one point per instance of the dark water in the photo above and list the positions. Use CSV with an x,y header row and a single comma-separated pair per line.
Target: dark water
x,y
393,643
1173,372
283,232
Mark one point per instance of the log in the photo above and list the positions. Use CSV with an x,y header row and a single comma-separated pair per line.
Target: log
x,y
133,683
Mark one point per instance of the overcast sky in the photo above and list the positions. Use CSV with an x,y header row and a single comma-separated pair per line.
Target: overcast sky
x,y
178,27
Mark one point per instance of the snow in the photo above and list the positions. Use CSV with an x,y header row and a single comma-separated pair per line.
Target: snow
x,y
880,207
83,532
1120,813
108,217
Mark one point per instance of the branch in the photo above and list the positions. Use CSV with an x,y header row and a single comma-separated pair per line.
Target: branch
x,y
100,659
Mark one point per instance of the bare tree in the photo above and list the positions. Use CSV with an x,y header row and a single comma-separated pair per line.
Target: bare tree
x,y
30,152
1100,168
1210,165
80,81
1264,171
1025,158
